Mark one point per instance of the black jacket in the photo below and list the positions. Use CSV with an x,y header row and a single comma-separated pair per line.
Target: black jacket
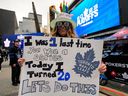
x,y
14,54
1,56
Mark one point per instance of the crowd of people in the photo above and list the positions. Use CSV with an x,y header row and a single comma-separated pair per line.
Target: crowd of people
x,y
3,57
12,54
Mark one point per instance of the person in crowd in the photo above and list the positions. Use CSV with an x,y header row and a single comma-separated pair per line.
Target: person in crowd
x,y
63,26
1,59
15,54
6,55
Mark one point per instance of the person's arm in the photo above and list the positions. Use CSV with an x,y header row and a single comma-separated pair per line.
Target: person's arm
x,y
21,61
102,67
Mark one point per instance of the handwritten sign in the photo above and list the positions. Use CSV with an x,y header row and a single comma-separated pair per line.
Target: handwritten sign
x,y
60,67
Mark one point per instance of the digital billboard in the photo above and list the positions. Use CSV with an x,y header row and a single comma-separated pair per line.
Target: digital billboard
x,y
95,15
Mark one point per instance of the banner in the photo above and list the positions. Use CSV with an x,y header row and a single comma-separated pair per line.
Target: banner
x,y
115,56
60,67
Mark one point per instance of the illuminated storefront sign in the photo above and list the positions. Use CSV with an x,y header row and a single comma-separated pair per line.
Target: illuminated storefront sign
x,y
96,15
87,16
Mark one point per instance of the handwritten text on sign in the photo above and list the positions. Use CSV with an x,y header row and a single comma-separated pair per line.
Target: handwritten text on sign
x,y
60,67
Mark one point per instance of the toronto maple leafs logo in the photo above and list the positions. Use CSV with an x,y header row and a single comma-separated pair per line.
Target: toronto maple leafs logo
x,y
125,75
85,65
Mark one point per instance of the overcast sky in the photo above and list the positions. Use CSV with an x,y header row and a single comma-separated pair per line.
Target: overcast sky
x,y
23,7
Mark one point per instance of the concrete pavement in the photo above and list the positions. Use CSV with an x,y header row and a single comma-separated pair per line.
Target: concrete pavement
x,y
6,89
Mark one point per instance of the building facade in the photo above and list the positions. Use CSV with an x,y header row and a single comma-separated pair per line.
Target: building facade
x,y
28,24
8,22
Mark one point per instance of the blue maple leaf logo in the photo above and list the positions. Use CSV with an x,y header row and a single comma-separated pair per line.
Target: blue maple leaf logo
x,y
85,64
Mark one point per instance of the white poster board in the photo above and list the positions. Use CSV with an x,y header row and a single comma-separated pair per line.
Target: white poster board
x,y
60,67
